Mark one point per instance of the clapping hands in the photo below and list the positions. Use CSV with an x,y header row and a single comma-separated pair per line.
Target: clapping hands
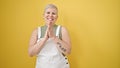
x,y
49,32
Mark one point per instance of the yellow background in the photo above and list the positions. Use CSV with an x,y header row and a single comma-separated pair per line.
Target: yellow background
x,y
94,27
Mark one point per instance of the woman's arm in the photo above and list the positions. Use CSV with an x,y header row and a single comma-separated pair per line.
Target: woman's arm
x,y
64,45
34,46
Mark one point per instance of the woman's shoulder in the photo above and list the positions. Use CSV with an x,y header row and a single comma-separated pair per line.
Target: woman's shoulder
x,y
35,30
63,28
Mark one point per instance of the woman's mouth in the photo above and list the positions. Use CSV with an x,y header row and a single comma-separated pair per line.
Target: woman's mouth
x,y
50,19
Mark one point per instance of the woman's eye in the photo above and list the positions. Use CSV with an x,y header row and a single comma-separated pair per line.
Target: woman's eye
x,y
53,13
48,12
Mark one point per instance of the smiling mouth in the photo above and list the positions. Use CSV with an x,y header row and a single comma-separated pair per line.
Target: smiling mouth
x,y
50,19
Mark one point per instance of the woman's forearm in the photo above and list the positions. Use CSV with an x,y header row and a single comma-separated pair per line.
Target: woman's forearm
x,y
35,49
64,47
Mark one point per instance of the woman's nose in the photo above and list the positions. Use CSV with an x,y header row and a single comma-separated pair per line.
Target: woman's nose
x,y
50,14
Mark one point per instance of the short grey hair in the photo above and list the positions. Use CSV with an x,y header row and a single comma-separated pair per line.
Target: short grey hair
x,y
51,6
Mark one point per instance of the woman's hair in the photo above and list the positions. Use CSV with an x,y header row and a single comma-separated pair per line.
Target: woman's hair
x,y
50,6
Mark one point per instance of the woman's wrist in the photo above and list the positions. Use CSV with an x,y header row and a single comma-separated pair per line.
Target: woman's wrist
x,y
45,38
54,37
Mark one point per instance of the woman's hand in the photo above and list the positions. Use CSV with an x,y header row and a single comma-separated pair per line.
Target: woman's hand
x,y
46,36
50,31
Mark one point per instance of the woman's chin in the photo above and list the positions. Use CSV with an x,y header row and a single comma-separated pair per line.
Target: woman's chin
x,y
49,23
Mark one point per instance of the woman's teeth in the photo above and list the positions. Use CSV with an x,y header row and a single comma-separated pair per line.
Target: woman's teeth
x,y
50,19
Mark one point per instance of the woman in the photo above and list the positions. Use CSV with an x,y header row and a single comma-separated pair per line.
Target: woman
x,y
51,43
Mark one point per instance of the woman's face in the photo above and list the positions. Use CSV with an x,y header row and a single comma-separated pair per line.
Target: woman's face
x,y
50,16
